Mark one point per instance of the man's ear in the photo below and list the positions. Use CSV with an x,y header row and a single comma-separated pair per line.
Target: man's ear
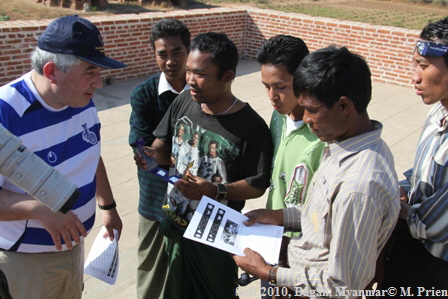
x,y
49,70
228,75
346,105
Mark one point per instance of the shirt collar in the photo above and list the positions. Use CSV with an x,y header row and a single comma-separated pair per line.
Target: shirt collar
x,y
164,85
340,150
438,118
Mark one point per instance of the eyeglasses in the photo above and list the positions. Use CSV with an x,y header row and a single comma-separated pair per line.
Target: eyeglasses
x,y
430,49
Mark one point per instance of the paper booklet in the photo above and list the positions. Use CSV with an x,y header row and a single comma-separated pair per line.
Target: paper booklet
x,y
102,261
222,227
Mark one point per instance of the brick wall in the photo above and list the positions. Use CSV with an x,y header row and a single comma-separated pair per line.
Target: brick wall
x,y
387,49
126,37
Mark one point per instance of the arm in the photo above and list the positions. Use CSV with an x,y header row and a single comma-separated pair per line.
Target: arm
x,y
159,151
144,117
195,187
104,197
356,232
15,206
253,263
427,220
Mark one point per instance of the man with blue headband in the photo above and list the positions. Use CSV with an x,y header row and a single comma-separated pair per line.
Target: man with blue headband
x,y
418,258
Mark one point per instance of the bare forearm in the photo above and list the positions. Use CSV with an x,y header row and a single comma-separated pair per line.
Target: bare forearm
x,y
104,194
241,190
15,206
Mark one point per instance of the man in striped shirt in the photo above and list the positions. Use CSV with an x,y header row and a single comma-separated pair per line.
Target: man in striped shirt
x,y
353,199
418,258
51,110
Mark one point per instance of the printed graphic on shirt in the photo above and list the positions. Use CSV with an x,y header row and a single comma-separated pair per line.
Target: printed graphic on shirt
x,y
88,136
52,157
203,153
294,194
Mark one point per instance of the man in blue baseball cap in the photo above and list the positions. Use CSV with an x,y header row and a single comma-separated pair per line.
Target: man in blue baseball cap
x,y
417,262
51,110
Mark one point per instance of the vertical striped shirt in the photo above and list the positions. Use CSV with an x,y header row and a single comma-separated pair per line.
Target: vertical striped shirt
x,y
350,212
428,215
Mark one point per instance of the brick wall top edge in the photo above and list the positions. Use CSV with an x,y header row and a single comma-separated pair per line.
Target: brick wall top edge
x,y
296,17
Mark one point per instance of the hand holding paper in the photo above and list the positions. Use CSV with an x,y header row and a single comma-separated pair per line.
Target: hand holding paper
x,y
102,261
253,263
219,226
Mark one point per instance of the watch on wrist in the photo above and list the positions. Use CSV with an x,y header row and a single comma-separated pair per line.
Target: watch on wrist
x,y
108,207
272,276
222,192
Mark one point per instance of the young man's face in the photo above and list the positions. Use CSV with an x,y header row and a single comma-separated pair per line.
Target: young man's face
x,y
202,76
76,87
171,57
327,124
430,79
279,86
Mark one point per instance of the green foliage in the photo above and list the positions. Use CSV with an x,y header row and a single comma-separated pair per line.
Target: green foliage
x,y
4,18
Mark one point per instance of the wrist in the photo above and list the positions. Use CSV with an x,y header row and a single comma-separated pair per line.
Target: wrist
x,y
221,192
108,207
272,276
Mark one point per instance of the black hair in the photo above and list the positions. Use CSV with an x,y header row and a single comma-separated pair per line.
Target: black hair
x,y
283,50
437,32
170,27
330,73
223,51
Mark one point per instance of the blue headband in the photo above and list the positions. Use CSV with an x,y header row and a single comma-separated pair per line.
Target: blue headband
x,y
431,49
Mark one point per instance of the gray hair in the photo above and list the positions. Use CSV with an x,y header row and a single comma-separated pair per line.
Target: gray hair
x,y
63,62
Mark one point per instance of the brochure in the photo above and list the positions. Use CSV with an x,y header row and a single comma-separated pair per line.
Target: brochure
x,y
102,261
152,164
222,227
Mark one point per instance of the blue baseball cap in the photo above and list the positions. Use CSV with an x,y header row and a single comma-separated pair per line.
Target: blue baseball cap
x,y
79,37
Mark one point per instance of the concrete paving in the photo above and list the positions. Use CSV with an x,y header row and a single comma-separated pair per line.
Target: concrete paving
x,y
398,108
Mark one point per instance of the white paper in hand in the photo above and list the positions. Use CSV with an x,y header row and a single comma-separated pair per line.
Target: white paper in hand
x,y
102,261
219,226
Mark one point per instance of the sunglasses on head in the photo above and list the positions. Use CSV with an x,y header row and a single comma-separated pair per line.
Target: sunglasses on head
x,y
430,49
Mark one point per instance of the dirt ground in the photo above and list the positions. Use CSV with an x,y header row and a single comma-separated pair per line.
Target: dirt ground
x,y
29,9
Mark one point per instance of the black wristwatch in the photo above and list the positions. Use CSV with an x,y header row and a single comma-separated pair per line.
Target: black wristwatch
x,y
222,192
108,207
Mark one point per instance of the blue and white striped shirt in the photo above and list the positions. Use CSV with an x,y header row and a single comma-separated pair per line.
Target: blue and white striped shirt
x,y
428,215
67,139
350,212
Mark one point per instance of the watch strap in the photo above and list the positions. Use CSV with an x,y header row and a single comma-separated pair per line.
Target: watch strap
x,y
108,207
272,276
221,193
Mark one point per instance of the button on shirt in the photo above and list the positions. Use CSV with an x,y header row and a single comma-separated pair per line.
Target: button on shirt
x,y
350,212
428,215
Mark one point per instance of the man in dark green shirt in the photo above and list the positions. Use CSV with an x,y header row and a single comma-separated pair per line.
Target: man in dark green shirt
x,y
170,40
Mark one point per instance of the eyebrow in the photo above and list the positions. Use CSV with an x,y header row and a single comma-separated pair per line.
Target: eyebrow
x,y
172,49
195,70
420,59
276,82
92,67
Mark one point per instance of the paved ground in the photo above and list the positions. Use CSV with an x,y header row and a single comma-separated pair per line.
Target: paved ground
x,y
398,108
